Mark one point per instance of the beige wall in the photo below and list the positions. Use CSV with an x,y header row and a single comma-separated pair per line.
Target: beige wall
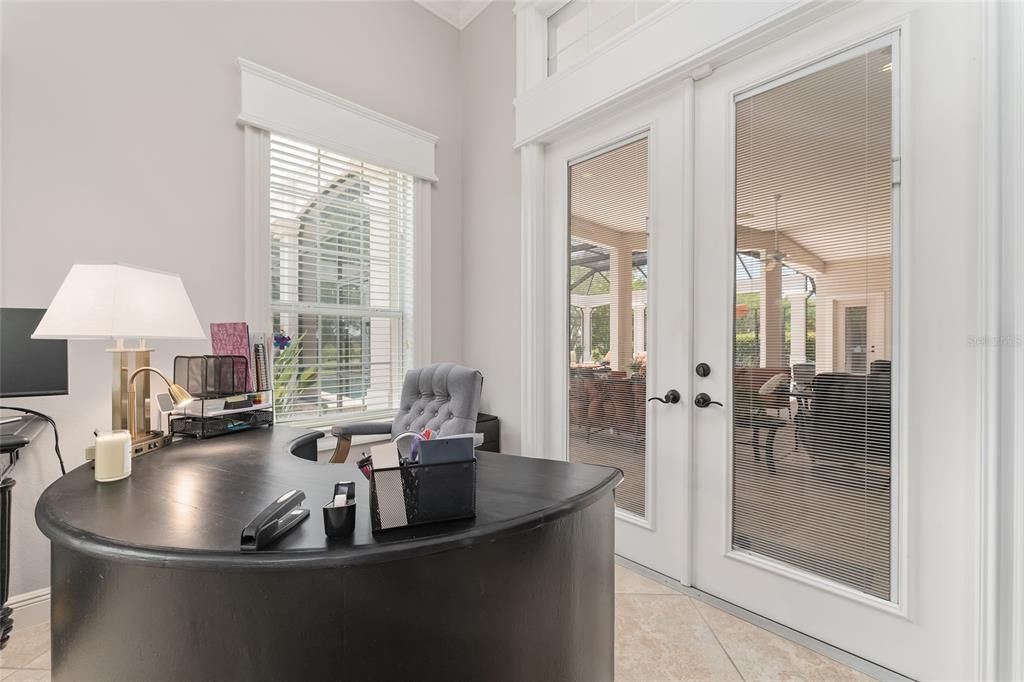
x,y
120,144
491,275
853,282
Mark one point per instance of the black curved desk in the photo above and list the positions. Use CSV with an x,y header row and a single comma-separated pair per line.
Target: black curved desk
x,y
148,582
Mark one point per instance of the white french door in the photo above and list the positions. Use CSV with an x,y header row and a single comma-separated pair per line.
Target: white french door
x,y
823,496
618,224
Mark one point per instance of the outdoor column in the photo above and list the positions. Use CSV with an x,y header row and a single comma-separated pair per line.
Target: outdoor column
x,y
772,334
621,276
587,353
639,332
797,327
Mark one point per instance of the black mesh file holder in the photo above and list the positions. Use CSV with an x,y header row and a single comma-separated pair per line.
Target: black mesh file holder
x,y
212,376
422,493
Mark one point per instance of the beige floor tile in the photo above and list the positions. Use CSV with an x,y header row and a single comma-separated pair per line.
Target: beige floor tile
x,y
26,675
663,637
762,655
25,645
630,582
41,663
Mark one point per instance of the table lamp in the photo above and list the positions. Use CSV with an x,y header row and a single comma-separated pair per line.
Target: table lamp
x,y
123,302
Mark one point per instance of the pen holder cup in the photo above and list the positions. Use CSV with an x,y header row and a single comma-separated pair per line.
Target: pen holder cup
x,y
422,493
339,522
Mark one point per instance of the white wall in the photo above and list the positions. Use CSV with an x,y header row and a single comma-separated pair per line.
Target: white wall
x,y
120,144
491,225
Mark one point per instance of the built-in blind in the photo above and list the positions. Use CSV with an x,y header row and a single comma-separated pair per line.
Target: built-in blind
x,y
813,352
341,277
608,270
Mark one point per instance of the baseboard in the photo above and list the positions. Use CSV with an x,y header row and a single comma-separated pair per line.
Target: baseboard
x,y
30,608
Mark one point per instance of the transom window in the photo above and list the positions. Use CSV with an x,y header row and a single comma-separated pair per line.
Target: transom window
x,y
581,26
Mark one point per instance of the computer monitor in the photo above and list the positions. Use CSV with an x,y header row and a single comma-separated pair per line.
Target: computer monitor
x,y
30,367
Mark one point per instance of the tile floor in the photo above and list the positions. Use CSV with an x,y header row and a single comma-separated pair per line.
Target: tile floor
x,y
660,634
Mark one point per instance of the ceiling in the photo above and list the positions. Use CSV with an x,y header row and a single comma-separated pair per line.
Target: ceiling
x,y
610,189
458,13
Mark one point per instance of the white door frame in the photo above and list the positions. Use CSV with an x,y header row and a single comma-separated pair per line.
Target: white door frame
x,y
1000,564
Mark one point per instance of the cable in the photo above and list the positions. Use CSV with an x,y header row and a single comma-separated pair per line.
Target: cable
x,y
56,436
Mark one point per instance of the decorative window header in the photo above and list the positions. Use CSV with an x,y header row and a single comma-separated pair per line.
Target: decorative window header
x,y
276,102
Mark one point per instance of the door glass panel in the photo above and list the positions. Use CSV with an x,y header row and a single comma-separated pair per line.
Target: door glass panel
x,y
811,460
608,200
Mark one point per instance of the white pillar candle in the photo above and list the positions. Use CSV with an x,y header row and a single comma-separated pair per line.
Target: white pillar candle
x,y
113,456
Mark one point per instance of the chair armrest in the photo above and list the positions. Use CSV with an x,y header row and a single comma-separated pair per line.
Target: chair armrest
x,y
361,429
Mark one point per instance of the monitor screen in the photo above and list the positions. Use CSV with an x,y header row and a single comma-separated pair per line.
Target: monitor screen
x,y
28,366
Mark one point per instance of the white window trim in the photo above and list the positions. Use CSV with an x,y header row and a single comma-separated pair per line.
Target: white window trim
x,y
272,102
679,40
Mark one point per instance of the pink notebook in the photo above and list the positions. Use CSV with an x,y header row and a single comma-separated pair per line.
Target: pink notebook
x,y
232,338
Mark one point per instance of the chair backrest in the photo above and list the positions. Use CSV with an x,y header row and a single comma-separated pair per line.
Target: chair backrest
x,y
442,397
803,373
747,382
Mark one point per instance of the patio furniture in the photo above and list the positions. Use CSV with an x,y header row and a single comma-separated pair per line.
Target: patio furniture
x,y
803,378
751,408
849,420
616,403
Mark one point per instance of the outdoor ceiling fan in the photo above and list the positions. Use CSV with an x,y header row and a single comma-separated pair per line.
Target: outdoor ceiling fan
x,y
775,257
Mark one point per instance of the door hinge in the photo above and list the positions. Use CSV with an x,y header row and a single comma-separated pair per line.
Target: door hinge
x,y
896,171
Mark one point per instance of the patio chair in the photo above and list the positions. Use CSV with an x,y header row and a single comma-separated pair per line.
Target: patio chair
x,y
442,397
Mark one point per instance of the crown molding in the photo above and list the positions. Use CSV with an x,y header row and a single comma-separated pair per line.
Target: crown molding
x,y
458,13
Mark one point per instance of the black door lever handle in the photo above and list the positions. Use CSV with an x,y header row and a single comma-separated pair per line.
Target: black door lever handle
x,y
672,397
703,400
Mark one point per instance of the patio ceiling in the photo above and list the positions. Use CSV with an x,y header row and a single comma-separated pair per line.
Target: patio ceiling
x,y
832,172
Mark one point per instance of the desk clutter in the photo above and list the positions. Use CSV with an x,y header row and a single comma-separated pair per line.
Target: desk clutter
x,y
420,479
224,399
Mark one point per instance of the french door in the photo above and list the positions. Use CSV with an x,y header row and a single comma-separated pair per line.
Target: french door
x,y
820,497
617,211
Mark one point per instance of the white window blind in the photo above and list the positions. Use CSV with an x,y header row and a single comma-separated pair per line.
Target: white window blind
x,y
341,257
812,462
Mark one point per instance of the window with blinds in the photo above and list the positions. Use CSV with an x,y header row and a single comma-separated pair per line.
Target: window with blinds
x,y
581,26
341,284
813,350
607,317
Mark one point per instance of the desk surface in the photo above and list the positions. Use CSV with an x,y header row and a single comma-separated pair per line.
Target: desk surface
x,y
187,504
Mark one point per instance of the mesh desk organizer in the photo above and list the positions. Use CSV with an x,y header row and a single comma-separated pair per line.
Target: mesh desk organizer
x,y
416,494
223,404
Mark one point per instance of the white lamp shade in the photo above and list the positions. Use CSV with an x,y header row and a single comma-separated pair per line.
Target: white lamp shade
x,y
119,302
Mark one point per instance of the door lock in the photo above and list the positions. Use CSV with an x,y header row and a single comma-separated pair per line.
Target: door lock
x,y
671,397
704,400
703,370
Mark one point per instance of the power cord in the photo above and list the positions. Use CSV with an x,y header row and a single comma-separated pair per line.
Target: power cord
x,y
56,436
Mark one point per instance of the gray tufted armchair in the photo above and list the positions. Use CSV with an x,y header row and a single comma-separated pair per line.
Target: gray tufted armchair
x,y
443,397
